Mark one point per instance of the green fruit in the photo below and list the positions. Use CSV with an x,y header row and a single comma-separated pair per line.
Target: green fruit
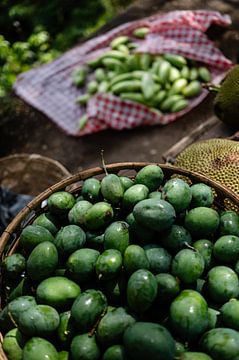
x,y
60,202
98,216
13,343
202,195
226,248
38,349
138,232
91,190
168,287
126,182
229,223
189,355
108,264
176,238
133,195
230,314
150,176
87,309
134,259
115,352
145,340
222,284
64,355
42,261
57,291
84,347
22,288
47,221
178,193
189,315
154,214
13,266
202,221
112,327
32,235
188,265
81,265
112,188
115,290
10,314
221,343
204,247
180,349
213,316
39,320
158,257
141,290
76,215
65,329
95,240
117,236
155,194
69,239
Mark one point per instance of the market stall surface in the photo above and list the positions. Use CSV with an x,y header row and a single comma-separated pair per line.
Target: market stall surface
x,y
24,130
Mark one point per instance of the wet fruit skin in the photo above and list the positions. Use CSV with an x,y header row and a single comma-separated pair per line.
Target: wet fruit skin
x,y
84,347
178,193
116,236
37,349
202,222
188,265
205,248
108,264
226,248
229,223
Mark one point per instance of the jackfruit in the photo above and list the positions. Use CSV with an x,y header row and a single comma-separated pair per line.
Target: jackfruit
x,y
226,102
217,159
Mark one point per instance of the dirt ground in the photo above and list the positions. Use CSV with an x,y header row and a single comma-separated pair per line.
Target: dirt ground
x,y
24,130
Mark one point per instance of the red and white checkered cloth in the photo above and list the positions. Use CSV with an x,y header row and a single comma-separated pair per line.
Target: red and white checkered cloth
x,y
49,88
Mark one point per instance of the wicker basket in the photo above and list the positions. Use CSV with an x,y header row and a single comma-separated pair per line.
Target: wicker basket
x,y
10,236
30,173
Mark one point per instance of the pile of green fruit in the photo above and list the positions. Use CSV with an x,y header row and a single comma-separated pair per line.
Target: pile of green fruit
x,y
162,82
128,269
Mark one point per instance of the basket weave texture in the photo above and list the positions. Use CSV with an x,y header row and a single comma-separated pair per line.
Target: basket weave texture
x,y
224,199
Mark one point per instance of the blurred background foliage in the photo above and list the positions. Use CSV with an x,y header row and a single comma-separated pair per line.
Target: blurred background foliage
x,y
33,32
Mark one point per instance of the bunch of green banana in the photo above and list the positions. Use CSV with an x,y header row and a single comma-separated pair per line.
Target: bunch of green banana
x,y
164,82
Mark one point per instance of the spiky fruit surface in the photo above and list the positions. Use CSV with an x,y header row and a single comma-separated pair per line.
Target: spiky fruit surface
x,y
226,102
217,159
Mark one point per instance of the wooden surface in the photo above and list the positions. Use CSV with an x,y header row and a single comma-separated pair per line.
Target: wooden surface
x,y
23,129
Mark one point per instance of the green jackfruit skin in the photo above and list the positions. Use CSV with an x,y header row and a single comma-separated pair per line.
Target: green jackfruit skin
x,y
226,102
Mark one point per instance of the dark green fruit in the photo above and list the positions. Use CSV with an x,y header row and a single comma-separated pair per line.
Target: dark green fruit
x,y
39,320
221,343
91,190
115,290
168,287
13,343
202,221
38,349
213,318
202,195
42,261
63,355
117,236
188,265
57,291
190,355
65,330
158,257
222,284
22,288
141,290
176,238
204,247
226,248
32,235
133,195
144,340
134,259
126,182
155,194
112,188
138,232
98,216
81,265
13,266
230,314
189,315
60,202
178,193
108,264
87,309
154,214
95,240
112,326
76,215
115,352
47,221
69,239
150,176
229,223
84,347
